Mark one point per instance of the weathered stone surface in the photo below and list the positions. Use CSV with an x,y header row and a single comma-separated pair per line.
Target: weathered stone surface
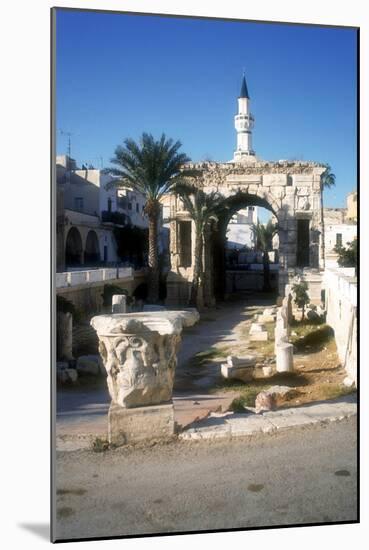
x,y
256,328
349,382
264,402
266,318
140,424
139,352
275,179
247,360
243,373
279,390
268,371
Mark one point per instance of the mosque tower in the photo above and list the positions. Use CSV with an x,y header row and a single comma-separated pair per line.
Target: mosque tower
x,y
244,122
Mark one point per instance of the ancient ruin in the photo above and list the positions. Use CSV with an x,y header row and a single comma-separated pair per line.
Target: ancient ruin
x,y
139,352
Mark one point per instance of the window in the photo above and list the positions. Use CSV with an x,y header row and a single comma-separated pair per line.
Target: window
x,y
137,207
129,206
78,203
109,204
338,239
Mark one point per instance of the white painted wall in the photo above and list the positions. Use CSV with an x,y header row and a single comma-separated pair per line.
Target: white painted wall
x,y
341,300
348,232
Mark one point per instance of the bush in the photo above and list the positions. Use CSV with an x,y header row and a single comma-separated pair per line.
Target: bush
x,y
301,297
347,257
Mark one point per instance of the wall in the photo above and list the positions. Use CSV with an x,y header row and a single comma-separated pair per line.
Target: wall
x,y
84,288
352,206
348,232
253,279
341,302
84,223
136,201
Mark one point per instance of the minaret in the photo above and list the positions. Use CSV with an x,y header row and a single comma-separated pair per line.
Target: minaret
x,y
244,122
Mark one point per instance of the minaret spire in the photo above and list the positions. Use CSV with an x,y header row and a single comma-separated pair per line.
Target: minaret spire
x,y
244,122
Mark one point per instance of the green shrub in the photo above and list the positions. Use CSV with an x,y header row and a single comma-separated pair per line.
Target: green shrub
x,y
301,297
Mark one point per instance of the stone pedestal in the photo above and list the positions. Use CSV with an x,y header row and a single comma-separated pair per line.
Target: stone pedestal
x,y
139,352
140,423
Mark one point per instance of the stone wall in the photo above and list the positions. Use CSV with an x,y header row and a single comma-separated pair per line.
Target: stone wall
x,y
252,279
341,303
291,190
85,288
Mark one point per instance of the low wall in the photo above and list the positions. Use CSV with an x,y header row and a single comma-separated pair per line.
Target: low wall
x,y
238,280
341,302
85,288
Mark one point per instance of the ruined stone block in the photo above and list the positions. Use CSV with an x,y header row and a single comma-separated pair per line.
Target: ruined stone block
x,y
139,424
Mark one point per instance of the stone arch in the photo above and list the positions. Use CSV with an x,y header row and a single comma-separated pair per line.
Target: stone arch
x,y
92,249
291,190
215,262
73,248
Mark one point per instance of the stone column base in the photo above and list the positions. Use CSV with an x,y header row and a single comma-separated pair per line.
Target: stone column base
x,y
139,424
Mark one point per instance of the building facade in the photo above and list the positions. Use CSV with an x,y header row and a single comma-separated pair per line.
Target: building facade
x,y
89,208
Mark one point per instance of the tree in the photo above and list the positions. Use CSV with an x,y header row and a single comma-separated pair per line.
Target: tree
x,y
327,180
202,208
301,298
347,257
263,238
151,167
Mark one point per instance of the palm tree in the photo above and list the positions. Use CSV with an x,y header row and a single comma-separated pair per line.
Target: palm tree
x,y
202,208
263,237
327,180
151,167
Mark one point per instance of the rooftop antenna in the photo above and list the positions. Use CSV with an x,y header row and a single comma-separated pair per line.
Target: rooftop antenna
x,y
69,148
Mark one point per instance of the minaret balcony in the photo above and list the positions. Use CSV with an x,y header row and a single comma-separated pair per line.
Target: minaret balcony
x,y
248,117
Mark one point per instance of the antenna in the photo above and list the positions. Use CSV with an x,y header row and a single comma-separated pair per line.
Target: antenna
x,y
69,148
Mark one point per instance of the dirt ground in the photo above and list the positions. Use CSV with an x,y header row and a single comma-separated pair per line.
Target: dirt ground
x,y
318,373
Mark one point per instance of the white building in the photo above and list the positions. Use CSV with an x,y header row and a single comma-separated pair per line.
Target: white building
x,y
239,231
92,209
340,229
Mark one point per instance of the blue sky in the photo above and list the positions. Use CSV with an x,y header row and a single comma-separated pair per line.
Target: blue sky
x,y
119,75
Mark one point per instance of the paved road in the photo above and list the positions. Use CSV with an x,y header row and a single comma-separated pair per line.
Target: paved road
x,y
300,476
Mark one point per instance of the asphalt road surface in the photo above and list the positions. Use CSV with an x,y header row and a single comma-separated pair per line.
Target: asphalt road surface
x,y
303,475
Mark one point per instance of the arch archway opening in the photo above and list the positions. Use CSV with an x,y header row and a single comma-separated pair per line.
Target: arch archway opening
x,y
244,251
73,248
92,250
